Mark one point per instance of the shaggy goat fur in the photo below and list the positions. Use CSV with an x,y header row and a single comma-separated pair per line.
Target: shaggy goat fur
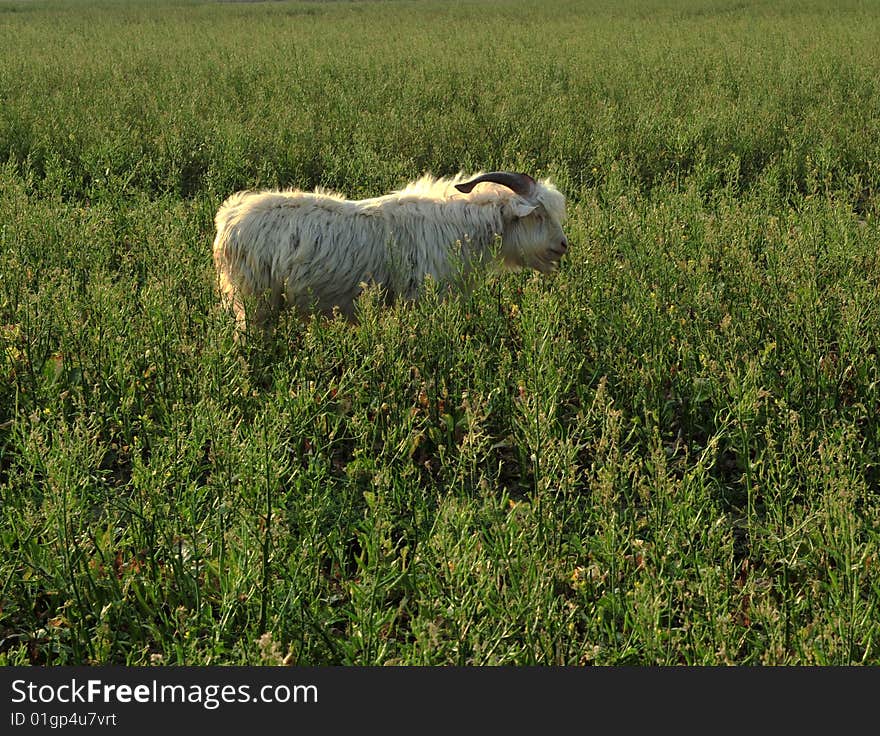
x,y
315,250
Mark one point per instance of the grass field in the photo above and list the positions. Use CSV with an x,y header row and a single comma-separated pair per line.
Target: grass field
x,y
666,453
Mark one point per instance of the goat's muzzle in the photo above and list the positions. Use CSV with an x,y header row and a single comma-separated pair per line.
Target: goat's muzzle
x,y
561,249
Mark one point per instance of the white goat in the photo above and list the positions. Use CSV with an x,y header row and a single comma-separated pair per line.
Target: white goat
x,y
315,250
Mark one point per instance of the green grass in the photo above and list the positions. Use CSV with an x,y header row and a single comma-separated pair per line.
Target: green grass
x,y
667,453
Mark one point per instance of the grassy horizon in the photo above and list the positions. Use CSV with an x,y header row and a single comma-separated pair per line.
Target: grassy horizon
x,y
666,453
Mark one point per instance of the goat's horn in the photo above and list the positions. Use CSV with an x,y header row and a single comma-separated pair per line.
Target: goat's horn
x,y
521,184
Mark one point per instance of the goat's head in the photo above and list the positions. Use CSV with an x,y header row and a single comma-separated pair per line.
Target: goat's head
x,y
533,217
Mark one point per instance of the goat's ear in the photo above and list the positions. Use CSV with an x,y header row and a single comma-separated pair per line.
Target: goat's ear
x,y
521,207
